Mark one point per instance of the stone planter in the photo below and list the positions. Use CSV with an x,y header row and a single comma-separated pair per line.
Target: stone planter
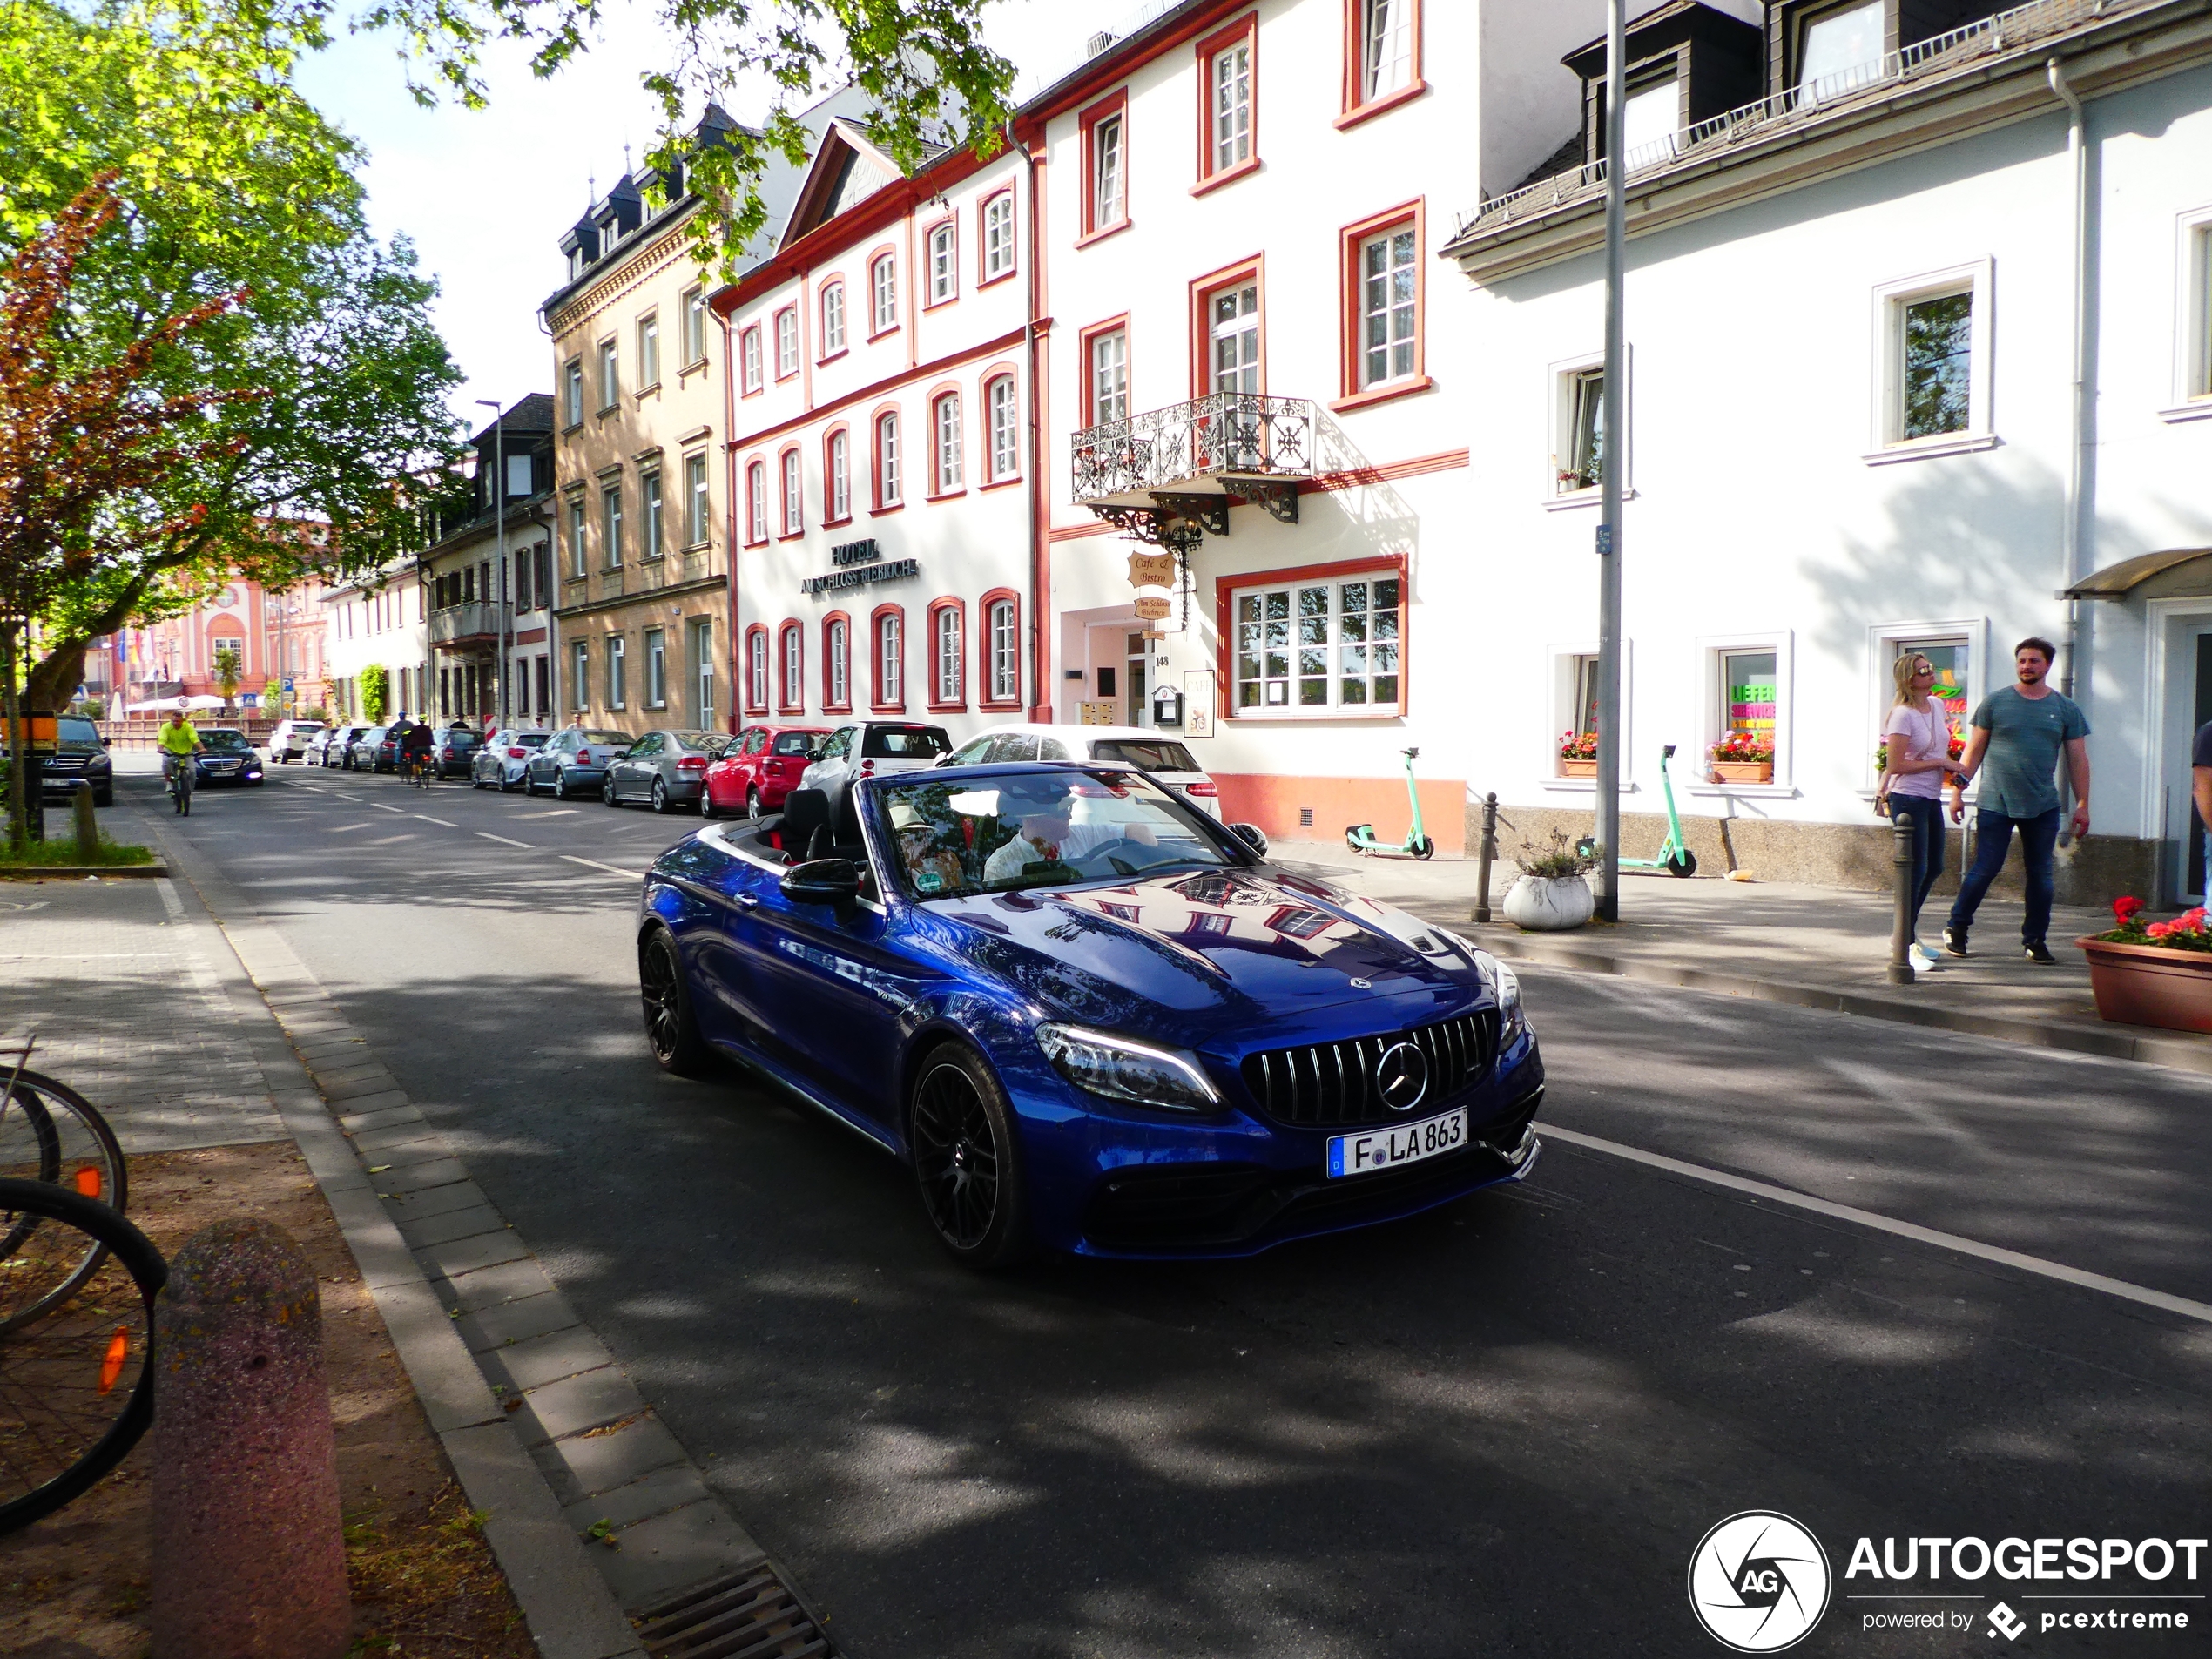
x,y
2149,985
1578,768
1549,904
1744,772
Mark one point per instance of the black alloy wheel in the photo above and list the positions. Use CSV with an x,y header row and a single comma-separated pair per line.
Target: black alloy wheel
x,y
753,803
660,796
670,1027
966,1162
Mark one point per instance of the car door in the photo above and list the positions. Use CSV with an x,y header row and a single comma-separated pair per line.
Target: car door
x,y
542,767
827,774
632,770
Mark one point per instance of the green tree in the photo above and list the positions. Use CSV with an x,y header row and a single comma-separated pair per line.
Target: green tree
x,y
229,183
228,670
922,65
376,686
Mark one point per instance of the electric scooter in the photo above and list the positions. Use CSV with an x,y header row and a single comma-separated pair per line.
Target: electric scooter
x,y
1674,858
1360,838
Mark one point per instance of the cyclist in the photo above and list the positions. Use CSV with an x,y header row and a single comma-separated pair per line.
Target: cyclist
x,y
415,758
178,741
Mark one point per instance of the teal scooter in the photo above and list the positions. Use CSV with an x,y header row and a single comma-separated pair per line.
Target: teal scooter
x,y
1360,838
1674,858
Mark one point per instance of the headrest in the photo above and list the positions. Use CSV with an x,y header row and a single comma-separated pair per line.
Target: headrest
x,y
805,811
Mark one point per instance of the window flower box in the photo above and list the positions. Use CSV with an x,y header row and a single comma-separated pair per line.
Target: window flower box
x,y
1577,768
1578,754
1744,771
1742,757
2156,973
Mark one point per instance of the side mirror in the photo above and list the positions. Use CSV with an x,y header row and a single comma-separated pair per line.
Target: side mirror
x,y
834,881
1252,836
813,755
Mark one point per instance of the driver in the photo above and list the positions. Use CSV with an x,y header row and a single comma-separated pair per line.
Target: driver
x,y
1043,834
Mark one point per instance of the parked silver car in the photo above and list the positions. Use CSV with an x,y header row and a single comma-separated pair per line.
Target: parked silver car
x,y
667,768
328,746
872,749
1162,753
499,764
574,761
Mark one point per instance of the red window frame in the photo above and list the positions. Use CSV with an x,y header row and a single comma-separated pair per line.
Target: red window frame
x,y
949,224
789,493
1253,272
775,342
829,515
746,386
1114,103
878,503
1225,620
756,501
937,488
821,330
983,277
1355,62
998,374
832,704
985,696
876,257
1350,331
878,701
1112,325
1244,31
940,703
756,706
791,688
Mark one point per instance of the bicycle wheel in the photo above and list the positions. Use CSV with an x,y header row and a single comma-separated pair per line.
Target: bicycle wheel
x,y
76,1385
50,1133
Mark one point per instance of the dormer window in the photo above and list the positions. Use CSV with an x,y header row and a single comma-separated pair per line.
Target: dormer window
x,y
1650,119
1841,49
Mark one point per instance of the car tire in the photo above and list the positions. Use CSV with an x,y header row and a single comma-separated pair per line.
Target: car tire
x,y
607,796
660,797
753,803
560,783
672,1031
707,808
967,1160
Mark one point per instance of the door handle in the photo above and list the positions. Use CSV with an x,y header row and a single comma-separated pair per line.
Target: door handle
x,y
746,901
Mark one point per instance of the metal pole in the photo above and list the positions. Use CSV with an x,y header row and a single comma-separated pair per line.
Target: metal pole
x,y
1901,917
499,507
1489,850
1608,534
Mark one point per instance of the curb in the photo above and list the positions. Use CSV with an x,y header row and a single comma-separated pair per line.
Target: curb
x,y
545,1430
75,871
2106,1043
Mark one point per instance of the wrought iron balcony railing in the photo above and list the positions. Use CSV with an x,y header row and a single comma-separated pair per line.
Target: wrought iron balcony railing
x,y
1223,436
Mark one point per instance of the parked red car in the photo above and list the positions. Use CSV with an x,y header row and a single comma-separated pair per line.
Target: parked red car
x,y
759,769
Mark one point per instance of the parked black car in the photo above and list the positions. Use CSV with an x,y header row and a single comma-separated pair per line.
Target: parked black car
x,y
455,749
225,758
80,760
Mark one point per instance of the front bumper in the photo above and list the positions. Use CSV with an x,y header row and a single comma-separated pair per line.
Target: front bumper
x,y
1108,1184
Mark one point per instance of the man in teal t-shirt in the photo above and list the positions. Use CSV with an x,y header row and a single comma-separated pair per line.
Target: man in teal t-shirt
x,y
2019,733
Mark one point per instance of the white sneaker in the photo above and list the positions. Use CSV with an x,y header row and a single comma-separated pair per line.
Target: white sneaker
x,y
1924,959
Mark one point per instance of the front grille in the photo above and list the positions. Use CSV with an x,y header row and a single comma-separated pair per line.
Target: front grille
x,y
1331,1085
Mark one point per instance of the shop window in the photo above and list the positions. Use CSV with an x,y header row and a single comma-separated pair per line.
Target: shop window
x,y
1748,696
1319,647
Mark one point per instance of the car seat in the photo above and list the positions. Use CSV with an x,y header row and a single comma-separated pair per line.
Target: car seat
x,y
805,822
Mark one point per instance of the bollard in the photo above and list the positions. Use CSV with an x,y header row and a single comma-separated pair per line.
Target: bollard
x,y
248,1559
88,828
1489,852
1901,918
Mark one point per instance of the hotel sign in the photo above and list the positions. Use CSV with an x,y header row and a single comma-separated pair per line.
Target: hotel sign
x,y
859,563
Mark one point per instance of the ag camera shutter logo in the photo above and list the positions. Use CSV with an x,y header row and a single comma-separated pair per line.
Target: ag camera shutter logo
x,y
1758,1581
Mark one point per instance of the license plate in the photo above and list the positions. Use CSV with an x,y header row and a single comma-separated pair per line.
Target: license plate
x,y
1387,1147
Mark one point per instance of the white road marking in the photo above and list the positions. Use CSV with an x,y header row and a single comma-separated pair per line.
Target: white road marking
x,y
340,829
503,841
380,807
427,819
594,863
170,900
558,812
2058,1271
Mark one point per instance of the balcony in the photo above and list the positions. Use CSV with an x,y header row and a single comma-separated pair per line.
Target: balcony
x,y
476,624
1169,475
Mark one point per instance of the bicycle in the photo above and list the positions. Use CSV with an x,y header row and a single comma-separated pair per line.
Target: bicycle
x,y
50,1133
76,1376
421,768
180,782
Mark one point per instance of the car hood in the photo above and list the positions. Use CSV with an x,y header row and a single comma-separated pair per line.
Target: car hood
x,y
1185,957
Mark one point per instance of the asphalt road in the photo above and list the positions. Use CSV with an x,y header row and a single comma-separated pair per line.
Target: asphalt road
x,y
1501,1428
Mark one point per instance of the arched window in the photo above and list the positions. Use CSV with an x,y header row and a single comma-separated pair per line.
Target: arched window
x,y
944,427
883,286
756,494
755,669
794,667
794,508
786,342
944,263
1006,429
749,349
837,664
833,319
948,656
887,459
890,658
1002,620
838,475
998,236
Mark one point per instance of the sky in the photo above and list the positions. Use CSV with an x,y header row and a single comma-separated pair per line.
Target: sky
x,y
484,194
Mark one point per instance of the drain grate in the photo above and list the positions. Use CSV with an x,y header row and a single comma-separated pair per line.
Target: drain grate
x,y
750,1614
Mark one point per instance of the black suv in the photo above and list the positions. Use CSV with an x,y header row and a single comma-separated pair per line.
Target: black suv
x,y
80,760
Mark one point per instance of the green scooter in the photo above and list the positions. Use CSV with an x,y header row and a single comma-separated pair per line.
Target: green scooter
x,y
1674,858
1360,838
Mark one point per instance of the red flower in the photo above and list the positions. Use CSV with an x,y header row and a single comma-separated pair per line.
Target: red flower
x,y
2125,907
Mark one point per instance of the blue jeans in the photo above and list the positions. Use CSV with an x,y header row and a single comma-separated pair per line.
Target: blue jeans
x,y
1993,838
1926,816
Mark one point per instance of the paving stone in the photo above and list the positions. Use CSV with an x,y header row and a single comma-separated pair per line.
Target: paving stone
x,y
354,1082
545,1358
414,1177
584,1464
654,1495
408,1208
516,1322
670,1551
508,1282
359,1105
455,1257
574,1404
453,1224
399,1136
355,1122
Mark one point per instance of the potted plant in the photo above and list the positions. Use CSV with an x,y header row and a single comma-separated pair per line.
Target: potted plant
x,y
1578,754
2152,973
1552,895
1744,757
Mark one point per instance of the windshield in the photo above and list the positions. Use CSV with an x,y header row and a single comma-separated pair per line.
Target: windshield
x,y
1153,757
795,743
619,739
223,743
73,732
904,743
459,738
994,834
528,739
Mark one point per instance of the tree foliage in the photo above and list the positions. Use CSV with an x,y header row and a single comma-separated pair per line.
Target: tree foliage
x,y
929,79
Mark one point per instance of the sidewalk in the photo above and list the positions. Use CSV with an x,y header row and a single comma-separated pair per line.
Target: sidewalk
x,y
1811,947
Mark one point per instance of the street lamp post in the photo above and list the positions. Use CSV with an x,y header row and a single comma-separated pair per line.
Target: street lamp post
x,y
499,508
1608,533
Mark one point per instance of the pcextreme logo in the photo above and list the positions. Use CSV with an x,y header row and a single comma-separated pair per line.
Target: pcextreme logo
x,y
1758,1581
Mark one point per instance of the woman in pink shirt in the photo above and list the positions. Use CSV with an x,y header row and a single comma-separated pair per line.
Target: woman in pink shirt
x,y
1917,736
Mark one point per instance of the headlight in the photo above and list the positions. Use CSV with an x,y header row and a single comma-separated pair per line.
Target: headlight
x,y
1512,1020
1120,1070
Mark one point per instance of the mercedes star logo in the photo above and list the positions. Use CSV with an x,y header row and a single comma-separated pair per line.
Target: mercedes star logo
x,y
1401,1076
1363,985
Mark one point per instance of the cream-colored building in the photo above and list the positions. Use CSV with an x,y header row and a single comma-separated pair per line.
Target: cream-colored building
x,y
643,594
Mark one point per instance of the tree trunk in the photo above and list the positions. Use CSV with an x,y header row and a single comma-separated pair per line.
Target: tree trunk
x,y
55,675
18,773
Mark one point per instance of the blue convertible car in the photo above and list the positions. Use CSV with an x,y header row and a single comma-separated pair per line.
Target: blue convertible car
x,y
1088,1017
